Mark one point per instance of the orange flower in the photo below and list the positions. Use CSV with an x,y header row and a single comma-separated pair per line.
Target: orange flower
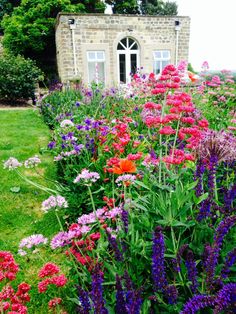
x,y
124,166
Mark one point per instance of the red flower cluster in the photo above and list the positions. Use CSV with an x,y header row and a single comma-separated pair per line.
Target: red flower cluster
x,y
81,248
50,270
8,266
15,302
54,302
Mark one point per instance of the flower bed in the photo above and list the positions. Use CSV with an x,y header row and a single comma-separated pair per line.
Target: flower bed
x,y
145,200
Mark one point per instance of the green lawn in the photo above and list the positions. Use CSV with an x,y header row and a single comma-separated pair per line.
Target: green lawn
x,y
22,135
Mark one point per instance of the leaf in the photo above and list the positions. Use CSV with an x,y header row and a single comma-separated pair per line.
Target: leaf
x,y
203,197
15,189
141,184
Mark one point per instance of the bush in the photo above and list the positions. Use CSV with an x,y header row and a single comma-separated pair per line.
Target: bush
x,y
18,77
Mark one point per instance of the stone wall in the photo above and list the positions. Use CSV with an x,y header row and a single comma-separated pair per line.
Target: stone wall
x,y
103,32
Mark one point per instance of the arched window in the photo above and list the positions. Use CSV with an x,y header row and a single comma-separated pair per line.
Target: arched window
x,y
128,59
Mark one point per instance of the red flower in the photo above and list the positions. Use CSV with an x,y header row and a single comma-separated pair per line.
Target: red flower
x,y
48,270
54,302
167,130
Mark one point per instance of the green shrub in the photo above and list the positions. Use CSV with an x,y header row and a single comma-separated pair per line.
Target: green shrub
x,y
18,77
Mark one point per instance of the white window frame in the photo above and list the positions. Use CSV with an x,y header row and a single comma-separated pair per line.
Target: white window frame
x,y
161,58
127,51
96,61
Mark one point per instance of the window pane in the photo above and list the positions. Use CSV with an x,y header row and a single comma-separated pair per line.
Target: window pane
x,y
157,67
131,41
92,72
165,54
124,42
133,62
122,68
100,72
134,47
91,56
100,55
157,55
120,47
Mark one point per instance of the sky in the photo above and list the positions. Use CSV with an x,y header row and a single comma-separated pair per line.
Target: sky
x,y
212,32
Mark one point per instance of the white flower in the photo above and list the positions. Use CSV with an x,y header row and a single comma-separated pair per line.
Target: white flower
x,y
66,123
12,163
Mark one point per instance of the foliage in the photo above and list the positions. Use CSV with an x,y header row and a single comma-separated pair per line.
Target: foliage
x,y
158,7
124,7
18,77
6,7
29,30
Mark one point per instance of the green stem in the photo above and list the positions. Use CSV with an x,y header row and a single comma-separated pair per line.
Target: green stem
x,y
59,221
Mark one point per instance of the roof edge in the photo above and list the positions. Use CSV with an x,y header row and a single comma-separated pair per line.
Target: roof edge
x,y
128,15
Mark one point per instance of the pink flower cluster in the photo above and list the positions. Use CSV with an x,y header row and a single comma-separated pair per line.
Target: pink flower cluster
x,y
32,162
87,177
54,202
31,242
11,164
50,271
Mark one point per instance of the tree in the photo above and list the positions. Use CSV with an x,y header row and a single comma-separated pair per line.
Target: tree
x,y
158,7
30,29
6,7
145,7
124,7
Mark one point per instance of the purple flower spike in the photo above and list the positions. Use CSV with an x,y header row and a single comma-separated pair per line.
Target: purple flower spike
x,y
192,271
158,267
97,292
197,303
84,300
120,298
226,299
229,262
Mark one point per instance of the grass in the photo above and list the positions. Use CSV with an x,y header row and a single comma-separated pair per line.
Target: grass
x,y
23,134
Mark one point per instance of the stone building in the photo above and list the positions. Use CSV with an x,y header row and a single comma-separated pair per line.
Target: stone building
x,y
108,48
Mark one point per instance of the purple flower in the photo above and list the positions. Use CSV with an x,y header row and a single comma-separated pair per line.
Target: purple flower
x,y
171,294
51,145
120,307
197,303
114,245
200,169
84,300
226,299
192,271
59,240
158,267
97,292
32,162
229,262
125,220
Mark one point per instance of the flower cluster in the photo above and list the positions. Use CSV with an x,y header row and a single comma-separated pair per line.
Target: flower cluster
x,y
54,202
12,163
32,162
31,242
50,271
14,302
8,266
87,177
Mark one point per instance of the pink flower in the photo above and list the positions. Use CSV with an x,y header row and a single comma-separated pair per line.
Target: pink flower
x,y
49,269
167,130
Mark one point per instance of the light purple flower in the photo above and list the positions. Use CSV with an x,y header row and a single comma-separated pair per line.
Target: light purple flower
x,y
125,178
113,212
54,202
32,162
87,177
30,242
66,123
60,239
11,164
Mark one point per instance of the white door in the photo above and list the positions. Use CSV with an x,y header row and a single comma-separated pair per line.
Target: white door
x,y
127,59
